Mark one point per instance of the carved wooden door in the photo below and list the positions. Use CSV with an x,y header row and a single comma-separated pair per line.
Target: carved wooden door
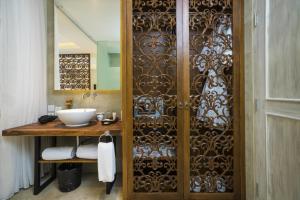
x,y
154,159
213,123
182,99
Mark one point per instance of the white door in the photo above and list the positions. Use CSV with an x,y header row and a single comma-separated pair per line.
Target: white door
x,y
276,94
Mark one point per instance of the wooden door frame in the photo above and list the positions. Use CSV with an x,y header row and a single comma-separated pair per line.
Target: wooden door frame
x,y
124,88
126,85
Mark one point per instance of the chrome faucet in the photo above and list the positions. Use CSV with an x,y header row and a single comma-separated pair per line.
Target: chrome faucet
x,y
86,95
89,94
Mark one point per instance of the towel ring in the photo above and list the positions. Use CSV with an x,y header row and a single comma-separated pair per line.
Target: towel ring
x,y
106,134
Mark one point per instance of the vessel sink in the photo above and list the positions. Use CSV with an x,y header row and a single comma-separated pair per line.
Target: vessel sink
x,y
76,117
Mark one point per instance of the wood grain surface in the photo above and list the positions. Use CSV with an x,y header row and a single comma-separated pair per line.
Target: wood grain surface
x,y
57,128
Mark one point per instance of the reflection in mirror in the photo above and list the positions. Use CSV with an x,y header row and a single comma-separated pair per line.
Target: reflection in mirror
x,y
87,45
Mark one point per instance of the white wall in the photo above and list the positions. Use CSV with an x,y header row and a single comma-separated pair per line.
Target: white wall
x,y
69,39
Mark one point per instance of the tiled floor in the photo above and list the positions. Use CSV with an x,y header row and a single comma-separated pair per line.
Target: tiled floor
x,y
90,189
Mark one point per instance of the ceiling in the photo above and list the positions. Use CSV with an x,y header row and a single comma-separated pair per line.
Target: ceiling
x,y
69,38
100,19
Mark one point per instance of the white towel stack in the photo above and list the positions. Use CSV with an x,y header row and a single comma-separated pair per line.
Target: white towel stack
x,y
89,151
106,162
58,153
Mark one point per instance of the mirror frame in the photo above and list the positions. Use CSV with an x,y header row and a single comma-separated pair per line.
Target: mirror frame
x,y
50,58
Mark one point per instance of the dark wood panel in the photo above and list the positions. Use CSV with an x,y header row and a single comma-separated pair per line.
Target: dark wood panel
x,y
57,128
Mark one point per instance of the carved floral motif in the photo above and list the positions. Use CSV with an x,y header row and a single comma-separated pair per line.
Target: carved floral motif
x,y
211,89
155,96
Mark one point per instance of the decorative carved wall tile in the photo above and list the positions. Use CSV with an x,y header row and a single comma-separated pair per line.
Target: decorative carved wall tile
x,y
74,71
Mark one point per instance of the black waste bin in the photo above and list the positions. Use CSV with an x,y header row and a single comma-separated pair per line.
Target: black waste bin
x,y
69,176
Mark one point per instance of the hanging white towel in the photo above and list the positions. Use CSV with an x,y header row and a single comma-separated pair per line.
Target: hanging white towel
x,y
106,162
214,104
58,153
89,151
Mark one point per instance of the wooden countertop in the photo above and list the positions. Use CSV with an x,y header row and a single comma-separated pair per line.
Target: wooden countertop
x,y
57,128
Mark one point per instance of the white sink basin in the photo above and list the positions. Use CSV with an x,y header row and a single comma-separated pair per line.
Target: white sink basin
x,y
76,117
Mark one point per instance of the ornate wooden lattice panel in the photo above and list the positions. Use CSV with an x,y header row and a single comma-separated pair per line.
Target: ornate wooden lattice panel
x,y
74,71
154,96
211,96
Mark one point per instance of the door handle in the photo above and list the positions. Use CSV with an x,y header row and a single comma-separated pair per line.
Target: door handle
x,y
180,105
187,105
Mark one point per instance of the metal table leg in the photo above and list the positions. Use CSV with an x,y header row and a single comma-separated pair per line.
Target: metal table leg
x,y
37,187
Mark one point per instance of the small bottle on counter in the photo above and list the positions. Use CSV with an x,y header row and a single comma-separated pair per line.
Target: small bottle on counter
x,y
51,110
114,116
100,116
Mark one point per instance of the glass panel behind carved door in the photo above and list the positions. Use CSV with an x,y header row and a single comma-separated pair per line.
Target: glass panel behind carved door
x,y
154,96
211,96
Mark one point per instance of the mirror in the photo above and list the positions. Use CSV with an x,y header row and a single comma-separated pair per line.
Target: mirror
x,y
87,45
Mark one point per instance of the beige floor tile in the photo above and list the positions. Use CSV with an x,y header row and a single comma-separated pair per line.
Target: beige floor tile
x,y
90,189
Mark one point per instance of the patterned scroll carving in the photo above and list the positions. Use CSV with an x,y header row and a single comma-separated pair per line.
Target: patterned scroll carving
x,y
200,5
211,96
74,71
154,6
155,96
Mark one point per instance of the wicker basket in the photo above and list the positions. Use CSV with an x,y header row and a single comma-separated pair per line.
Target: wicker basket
x,y
69,176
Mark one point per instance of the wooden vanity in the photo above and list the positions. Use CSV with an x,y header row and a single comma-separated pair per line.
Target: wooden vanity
x,y
58,129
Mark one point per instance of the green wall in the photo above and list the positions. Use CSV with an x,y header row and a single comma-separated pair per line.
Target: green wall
x,y
108,77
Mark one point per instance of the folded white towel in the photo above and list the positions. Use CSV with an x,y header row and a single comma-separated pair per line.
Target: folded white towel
x,y
106,162
58,153
89,151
